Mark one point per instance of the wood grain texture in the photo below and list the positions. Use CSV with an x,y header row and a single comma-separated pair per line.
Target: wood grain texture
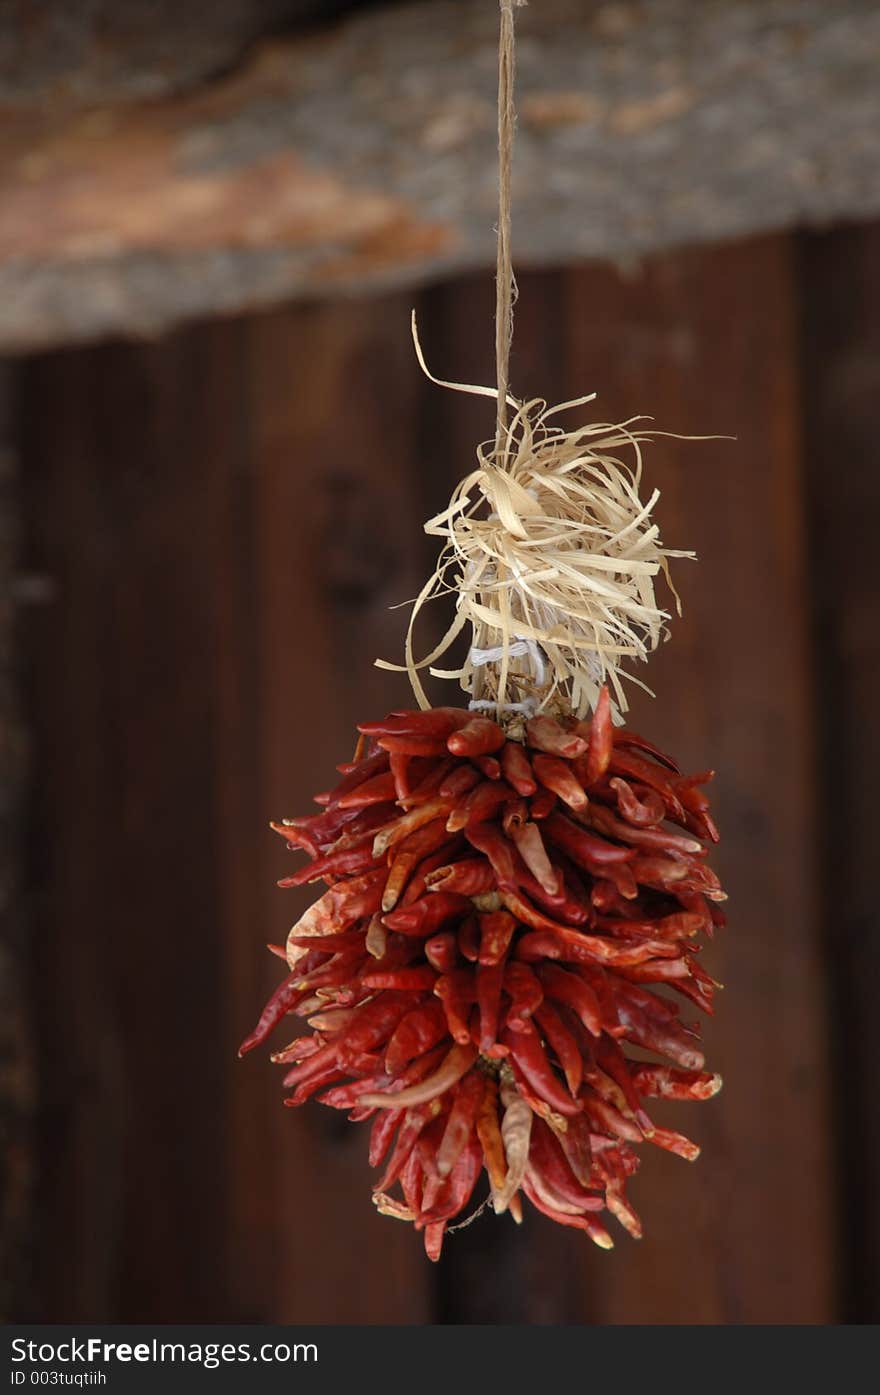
x,y
227,517
840,280
17,1025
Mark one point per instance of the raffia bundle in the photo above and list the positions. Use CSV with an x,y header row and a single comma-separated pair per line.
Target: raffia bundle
x,y
552,556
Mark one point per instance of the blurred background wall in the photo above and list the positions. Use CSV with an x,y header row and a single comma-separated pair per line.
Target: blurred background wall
x,y
202,537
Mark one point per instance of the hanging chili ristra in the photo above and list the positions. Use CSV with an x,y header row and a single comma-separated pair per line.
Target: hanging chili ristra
x,y
470,1039
515,891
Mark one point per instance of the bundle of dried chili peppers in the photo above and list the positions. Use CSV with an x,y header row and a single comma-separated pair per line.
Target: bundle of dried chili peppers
x,y
500,913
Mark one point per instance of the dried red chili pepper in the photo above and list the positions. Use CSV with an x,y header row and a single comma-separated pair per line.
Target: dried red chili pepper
x,y
499,918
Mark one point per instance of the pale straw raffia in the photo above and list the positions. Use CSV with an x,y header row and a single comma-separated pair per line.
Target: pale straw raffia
x,y
549,549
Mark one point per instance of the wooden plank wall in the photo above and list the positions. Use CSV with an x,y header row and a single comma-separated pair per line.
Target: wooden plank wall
x,y
226,517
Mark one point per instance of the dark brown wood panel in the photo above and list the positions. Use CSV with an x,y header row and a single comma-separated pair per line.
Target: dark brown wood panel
x,y
127,475
840,281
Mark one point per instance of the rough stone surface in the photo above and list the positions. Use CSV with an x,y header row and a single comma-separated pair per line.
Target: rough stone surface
x,y
364,155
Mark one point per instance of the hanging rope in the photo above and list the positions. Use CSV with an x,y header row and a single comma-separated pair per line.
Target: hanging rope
x,y
505,283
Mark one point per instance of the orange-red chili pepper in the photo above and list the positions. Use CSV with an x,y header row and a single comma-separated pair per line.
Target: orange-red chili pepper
x,y
525,993
496,933
441,952
460,1121
425,916
569,988
517,770
563,1044
545,734
557,776
456,992
528,1053
478,737
421,1029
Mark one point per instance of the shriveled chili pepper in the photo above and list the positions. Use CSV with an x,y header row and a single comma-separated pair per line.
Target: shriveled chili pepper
x,y
313,1067
640,806
398,874
489,981
461,1121
557,775
414,1120
568,988
517,770
418,883
542,804
297,838
631,740
528,1053
496,932
627,763
674,1143
457,992
441,951
360,772
478,737
545,734
595,1229
458,1191
346,863
585,849
410,980
530,846
301,1047
420,1029
469,878
600,740
425,916
457,1062
436,721
409,823
574,1140
564,1046
488,766
378,790
666,1040
469,938
525,993
381,1134
604,1116
479,804
547,1160
668,1083
372,1025
461,779
400,770
489,1134
282,1001
605,822
490,841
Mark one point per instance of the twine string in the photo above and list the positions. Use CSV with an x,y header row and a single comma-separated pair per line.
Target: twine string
x,y
505,282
